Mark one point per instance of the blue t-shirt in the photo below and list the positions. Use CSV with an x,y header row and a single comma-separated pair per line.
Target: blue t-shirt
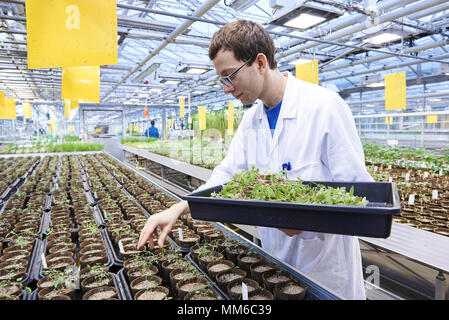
x,y
152,132
272,115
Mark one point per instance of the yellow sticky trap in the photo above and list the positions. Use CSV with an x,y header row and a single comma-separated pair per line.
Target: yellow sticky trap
x,y
71,128
395,91
81,83
27,110
202,117
67,109
388,120
432,119
182,102
74,104
230,119
2,99
308,71
8,109
64,33
52,125
97,129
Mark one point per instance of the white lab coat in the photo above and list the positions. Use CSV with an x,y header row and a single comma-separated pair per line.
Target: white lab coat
x,y
316,133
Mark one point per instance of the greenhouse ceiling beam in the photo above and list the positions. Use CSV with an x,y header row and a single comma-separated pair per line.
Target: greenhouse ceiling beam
x,y
179,30
430,45
405,114
409,97
383,68
388,17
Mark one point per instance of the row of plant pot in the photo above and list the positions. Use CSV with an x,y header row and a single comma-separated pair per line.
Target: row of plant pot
x,y
22,215
74,245
424,196
12,170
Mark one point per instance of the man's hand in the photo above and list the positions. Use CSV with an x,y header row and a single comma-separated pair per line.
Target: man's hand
x,y
165,220
290,232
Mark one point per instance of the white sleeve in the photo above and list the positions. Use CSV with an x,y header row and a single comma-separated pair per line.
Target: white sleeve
x,y
234,162
341,149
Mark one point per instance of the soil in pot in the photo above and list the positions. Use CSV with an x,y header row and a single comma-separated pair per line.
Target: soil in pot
x,y
157,293
290,290
216,267
61,263
172,264
213,235
258,269
63,247
9,289
204,294
245,260
233,252
145,283
272,277
185,286
53,294
16,274
101,293
134,273
95,258
188,240
226,277
205,259
260,294
99,280
234,288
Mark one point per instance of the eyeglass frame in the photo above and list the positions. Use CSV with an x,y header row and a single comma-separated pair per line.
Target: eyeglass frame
x,y
233,73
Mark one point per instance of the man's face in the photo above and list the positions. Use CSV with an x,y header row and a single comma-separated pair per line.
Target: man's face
x,y
246,83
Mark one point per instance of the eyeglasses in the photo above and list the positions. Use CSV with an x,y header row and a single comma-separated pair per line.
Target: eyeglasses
x,y
226,81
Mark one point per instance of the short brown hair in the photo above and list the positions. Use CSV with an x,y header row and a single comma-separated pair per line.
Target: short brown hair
x,y
245,39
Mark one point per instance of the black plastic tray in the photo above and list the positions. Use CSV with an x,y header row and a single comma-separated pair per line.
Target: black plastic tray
x,y
373,220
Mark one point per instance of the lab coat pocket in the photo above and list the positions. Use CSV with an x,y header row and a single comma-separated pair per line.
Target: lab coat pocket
x,y
312,171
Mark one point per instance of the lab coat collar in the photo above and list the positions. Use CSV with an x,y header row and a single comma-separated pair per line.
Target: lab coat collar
x,y
289,106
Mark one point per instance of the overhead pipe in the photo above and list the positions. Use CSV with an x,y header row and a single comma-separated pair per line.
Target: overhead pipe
x,y
180,29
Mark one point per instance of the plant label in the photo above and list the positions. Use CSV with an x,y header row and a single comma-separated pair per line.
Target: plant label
x,y
441,172
105,214
434,194
426,174
375,169
180,234
120,245
411,199
244,291
95,195
44,262
390,179
389,167
407,176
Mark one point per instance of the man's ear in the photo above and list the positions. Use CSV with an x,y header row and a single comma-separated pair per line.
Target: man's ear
x,y
261,62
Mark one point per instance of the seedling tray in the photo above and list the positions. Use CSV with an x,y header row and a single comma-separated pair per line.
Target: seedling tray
x,y
373,220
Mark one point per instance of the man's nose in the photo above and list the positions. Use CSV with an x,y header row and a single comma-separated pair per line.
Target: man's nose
x,y
228,89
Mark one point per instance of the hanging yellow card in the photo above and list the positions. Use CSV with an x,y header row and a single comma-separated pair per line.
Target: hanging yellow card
x,y
67,109
202,117
308,71
182,102
432,119
27,110
230,119
74,104
8,109
81,83
63,33
395,91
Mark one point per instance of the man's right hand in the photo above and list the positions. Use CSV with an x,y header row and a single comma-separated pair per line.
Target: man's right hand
x,y
165,220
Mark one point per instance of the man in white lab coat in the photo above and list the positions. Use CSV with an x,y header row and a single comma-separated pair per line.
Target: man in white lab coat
x,y
294,122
